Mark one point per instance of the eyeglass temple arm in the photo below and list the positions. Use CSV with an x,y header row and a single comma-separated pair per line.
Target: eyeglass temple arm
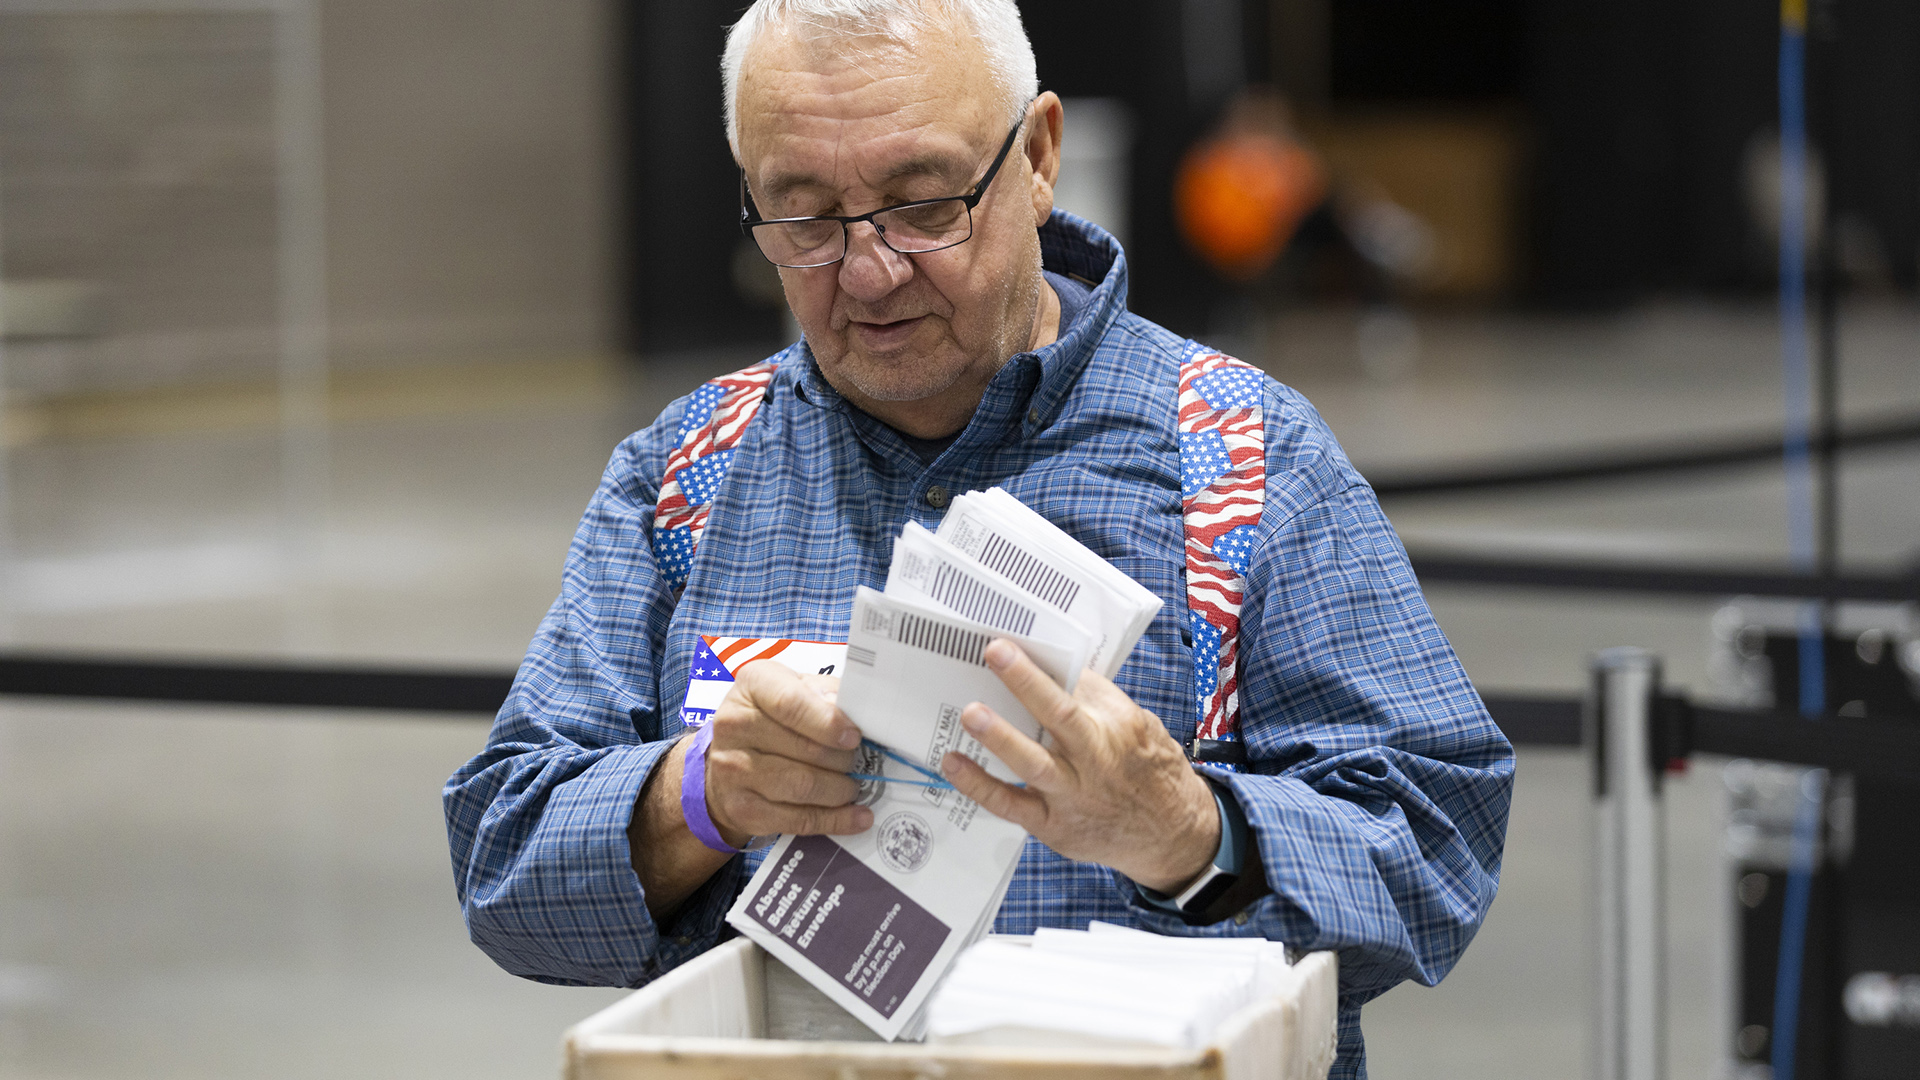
x,y
748,212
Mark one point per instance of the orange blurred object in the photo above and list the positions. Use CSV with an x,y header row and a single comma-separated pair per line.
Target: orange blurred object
x,y
1239,197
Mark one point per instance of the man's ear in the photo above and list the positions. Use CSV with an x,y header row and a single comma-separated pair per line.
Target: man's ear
x,y
1043,153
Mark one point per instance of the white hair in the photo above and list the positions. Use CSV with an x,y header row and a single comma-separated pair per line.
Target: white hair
x,y
996,23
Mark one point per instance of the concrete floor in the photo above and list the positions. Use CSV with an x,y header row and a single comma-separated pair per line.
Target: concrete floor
x,y
235,893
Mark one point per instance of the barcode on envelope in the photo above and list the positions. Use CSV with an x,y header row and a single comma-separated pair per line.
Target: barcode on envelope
x,y
1028,572
858,655
979,601
966,646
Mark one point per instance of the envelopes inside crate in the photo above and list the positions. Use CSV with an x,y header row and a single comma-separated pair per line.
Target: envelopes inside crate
x,y
734,1013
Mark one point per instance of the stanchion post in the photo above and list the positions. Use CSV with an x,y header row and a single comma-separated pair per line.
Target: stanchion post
x,y
1629,1032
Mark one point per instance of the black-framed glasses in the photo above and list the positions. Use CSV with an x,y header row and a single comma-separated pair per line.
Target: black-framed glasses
x,y
910,228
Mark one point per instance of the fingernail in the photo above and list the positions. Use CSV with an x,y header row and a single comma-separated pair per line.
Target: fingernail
x,y
863,817
1000,653
950,765
849,738
976,718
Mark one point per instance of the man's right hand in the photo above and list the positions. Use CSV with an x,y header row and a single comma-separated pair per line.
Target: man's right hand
x,y
780,756
777,763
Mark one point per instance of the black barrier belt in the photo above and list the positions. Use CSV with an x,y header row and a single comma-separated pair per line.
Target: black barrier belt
x,y
1753,450
1882,748
1682,580
1536,720
254,684
1530,720
1885,749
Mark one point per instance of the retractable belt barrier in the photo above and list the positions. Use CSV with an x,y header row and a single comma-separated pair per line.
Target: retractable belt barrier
x,y
285,684
1668,580
1766,449
1681,728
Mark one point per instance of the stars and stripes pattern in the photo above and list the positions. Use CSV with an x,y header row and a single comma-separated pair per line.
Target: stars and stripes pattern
x,y
715,416
1223,482
730,654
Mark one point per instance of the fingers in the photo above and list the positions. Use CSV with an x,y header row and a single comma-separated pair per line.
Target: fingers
x,y
778,779
796,703
754,816
752,793
1049,704
1002,800
827,686
1028,759
748,730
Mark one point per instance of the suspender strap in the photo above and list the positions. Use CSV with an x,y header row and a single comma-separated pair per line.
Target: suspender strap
x,y
1223,483
716,415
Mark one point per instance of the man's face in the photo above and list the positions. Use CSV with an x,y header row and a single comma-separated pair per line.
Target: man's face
x,y
829,128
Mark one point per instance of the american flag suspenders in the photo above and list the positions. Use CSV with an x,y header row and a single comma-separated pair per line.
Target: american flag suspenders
x,y
710,430
1223,484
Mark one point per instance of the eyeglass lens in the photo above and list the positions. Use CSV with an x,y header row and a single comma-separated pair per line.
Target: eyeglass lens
x,y
911,229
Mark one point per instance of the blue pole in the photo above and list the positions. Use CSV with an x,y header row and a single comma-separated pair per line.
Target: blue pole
x,y
1796,370
1796,364
1793,923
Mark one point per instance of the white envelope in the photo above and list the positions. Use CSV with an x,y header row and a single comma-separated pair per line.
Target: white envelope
x,y
1010,538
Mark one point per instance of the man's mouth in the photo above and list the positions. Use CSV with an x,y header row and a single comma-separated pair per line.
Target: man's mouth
x,y
882,336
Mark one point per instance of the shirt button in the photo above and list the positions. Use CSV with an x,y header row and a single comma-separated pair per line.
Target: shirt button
x,y
1033,417
1240,919
686,939
937,497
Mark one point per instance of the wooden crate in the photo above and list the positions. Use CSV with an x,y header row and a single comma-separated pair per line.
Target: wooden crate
x,y
734,1014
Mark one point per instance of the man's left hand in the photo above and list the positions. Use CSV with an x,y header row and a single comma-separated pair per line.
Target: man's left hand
x,y
1113,789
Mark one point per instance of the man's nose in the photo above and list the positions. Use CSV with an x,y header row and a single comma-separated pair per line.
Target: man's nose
x,y
871,269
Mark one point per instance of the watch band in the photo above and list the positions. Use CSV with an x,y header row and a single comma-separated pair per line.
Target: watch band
x,y
1229,861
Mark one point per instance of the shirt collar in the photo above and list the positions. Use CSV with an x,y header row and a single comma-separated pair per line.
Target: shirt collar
x,y
1074,247
1070,246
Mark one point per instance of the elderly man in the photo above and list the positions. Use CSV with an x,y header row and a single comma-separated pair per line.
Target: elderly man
x,y
898,164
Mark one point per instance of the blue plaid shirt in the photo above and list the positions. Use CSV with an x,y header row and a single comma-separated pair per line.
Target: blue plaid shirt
x,y
1378,788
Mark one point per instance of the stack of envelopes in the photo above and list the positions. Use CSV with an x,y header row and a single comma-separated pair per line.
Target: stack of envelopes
x,y
1106,985
876,920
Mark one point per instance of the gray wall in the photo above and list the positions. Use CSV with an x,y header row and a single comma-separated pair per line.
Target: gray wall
x,y
469,176
468,173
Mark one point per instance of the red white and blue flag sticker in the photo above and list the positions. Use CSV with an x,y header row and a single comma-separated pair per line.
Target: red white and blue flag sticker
x,y
718,661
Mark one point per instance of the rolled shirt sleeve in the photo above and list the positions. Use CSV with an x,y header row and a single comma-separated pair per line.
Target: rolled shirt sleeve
x,y
1377,787
537,822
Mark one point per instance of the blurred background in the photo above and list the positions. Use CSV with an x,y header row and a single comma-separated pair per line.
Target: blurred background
x,y
321,318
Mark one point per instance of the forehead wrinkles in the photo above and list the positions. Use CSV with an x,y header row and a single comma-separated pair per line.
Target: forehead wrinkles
x,y
833,121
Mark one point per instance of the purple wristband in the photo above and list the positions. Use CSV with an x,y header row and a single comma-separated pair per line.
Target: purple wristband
x,y
693,793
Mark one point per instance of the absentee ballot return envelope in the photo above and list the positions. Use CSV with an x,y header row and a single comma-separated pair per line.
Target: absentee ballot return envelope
x,y
734,1014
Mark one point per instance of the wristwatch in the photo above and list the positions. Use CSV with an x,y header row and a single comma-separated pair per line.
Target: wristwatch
x,y
1229,862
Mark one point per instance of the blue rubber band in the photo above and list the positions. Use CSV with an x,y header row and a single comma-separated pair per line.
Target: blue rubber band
x,y
933,779
938,785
